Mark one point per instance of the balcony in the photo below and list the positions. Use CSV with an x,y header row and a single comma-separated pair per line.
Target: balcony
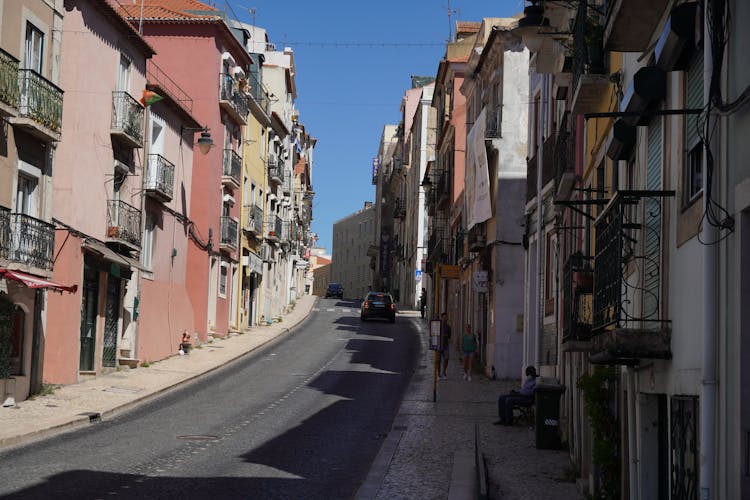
x,y
8,84
40,105
443,192
160,178
631,23
253,218
127,119
275,228
591,83
564,160
275,171
123,224
229,230
436,246
548,167
26,240
399,209
577,292
232,168
493,129
628,323
258,101
231,100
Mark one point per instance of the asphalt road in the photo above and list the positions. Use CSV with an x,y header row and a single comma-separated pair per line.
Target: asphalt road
x,y
302,417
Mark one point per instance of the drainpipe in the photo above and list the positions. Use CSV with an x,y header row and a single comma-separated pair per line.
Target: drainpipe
x,y
539,303
632,429
710,306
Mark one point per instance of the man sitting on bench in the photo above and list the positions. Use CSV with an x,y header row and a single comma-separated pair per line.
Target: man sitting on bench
x,y
524,398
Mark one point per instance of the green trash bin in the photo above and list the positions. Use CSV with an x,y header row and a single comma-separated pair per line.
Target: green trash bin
x,y
547,401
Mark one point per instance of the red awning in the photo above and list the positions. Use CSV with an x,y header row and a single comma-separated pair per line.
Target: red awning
x,y
32,281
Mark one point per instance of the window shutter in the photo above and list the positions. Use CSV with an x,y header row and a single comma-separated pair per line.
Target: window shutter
x,y
694,98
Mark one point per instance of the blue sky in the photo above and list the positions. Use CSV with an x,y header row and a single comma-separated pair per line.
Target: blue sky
x,y
346,94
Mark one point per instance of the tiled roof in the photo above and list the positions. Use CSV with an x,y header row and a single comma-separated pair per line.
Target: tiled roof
x,y
468,26
169,10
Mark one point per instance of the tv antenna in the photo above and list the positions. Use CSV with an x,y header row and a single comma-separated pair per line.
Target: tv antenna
x,y
451,12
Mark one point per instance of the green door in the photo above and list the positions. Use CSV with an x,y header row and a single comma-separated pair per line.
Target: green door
x,y
111,320
89,309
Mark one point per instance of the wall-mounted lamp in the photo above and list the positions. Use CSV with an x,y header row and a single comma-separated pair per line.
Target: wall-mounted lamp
x,y
204,143
528,26
427,183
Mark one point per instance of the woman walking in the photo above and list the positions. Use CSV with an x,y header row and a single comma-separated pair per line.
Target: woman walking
x,y
469,344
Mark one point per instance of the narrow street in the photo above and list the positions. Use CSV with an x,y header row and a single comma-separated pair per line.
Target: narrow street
x,y
302,417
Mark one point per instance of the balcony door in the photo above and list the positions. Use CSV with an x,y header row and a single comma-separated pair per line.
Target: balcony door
x,y
156,147
23,231
33,48
89,316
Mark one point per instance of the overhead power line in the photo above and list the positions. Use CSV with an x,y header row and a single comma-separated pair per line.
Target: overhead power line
x,y
359,45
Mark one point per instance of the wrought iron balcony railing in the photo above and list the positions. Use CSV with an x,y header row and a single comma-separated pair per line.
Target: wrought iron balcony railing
x,y
399,209
590,82
158,78
564,159
443,189
494,129
123,222
232,167
276,171
26,240
231,99
548,170
160,177
622,237
578,281
275,227
127,118
258,93
254,219
39,99
9,80
229,231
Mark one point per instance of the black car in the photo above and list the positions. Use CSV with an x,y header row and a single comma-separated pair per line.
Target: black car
x,y
335,290
378,305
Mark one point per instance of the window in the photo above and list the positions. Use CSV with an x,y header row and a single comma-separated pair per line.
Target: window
x,y
223,277
693,163
34,47
26,195
549,277
123,74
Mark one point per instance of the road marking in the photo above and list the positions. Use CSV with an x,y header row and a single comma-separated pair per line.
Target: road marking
x,y
331,309
316,309
346,310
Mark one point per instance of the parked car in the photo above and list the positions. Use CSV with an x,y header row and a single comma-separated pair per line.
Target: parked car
x,y
335,290
378,305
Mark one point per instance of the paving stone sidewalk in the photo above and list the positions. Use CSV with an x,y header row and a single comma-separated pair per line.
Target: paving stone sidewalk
x,y
431,441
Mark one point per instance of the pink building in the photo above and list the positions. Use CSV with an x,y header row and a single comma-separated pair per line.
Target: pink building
x,y
201,54
122,187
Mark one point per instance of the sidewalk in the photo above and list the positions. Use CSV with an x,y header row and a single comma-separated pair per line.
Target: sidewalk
x,y
430,451
77,405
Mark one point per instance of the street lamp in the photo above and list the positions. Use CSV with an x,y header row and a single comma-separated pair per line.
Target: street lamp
x,y
204,143
528,26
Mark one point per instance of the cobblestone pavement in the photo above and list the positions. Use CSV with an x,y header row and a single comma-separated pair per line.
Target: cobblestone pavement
x,y
431,439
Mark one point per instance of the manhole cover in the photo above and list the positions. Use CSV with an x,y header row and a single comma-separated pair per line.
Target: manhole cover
x,y
198,437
